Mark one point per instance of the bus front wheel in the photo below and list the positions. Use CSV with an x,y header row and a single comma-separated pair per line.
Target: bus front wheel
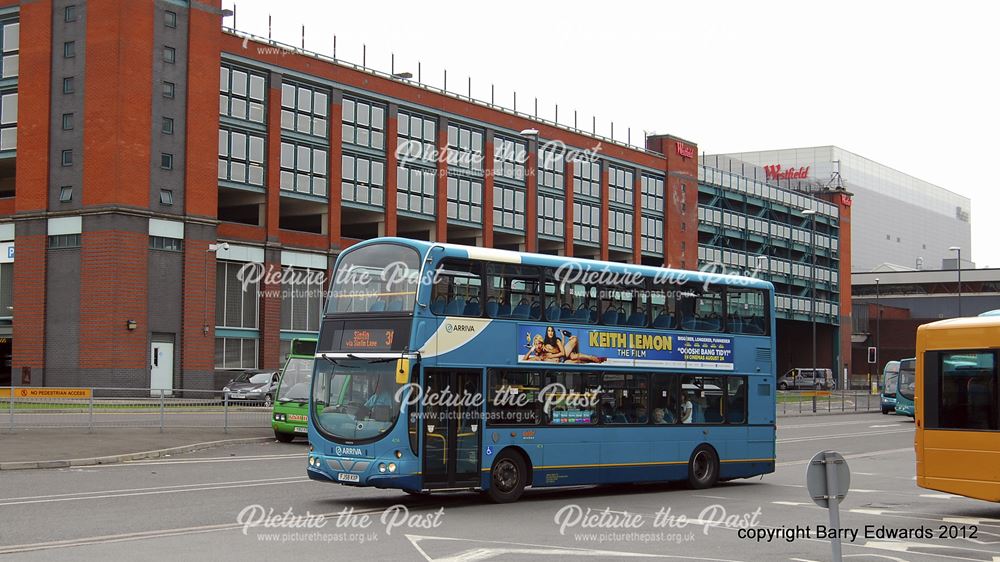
x,y
703,468
507,478
283,437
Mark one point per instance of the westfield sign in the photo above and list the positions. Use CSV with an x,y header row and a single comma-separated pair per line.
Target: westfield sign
x,y
774,172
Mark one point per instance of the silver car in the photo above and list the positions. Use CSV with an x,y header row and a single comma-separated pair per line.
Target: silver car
x,y
253,386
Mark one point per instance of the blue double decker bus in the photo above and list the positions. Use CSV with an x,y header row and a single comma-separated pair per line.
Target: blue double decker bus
x,y
442,367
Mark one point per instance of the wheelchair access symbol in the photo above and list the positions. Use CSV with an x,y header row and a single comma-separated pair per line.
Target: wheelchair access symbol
x,y
489,450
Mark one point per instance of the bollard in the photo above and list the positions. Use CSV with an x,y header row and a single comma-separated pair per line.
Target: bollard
x,y
225,412
162,393
12,409
90,413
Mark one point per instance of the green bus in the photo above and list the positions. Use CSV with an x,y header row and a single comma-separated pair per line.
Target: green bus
x,y
290,415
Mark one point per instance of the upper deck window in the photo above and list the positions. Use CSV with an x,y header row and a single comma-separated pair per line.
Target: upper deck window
x,y
376,278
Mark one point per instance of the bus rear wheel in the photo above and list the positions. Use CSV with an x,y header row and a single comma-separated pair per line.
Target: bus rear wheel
x,y
703,468
507,478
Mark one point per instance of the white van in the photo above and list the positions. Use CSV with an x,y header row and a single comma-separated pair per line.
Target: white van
x,y
805,378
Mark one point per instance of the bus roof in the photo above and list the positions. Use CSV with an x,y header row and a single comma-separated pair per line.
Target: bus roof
x,y
959,333
525,258
965,323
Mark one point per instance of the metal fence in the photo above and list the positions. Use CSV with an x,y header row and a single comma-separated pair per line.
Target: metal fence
x,y
95,408
825,402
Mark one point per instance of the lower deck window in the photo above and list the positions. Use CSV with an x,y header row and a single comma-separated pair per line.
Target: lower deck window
x,y
520,397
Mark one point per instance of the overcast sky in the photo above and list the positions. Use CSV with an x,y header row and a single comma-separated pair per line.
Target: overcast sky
x,y
912,85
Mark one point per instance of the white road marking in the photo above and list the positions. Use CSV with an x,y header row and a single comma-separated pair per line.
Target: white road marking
x,y
711,497
825,424
863,511
843,435
296,480
927,549
939,496
893,558
972,520
532,550
853,456
797,504
142,535
935,517
71,494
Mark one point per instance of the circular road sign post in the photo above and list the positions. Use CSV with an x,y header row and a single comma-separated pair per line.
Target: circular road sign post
x,y
828,478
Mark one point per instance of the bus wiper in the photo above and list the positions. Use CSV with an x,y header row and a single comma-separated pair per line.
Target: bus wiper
x,y
330,359
381,360
371,361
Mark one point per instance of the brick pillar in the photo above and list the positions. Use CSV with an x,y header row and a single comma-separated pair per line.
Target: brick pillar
x,y
568,215
197,356
33,102
30,236
605,210
441,222
201,184
335,168
842,200
29,300
118,89
113,291
488,171
680,206
637,217
391,175
270,311
531,194
273,184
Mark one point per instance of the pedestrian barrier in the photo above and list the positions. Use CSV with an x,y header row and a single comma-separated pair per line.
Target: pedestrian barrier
x,y
791,402
96,408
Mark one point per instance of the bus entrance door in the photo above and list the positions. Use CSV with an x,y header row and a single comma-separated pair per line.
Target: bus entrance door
x,y
452,428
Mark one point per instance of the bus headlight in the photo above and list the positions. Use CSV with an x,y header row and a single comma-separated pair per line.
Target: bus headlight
x,y
381,467
312,461
392,467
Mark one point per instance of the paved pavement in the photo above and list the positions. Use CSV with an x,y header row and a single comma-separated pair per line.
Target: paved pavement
x,y
53,448
203,505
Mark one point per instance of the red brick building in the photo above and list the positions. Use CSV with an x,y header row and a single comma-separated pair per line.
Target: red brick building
x,y
144,137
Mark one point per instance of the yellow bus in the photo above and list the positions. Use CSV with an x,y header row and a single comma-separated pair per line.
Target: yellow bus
x,y
958,409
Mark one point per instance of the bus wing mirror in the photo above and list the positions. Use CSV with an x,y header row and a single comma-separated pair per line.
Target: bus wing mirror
x,y
402,371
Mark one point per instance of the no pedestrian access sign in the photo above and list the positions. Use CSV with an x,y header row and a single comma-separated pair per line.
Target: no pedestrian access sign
x,y
46,392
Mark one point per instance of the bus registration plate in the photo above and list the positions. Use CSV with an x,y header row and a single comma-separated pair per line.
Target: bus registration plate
x,y
301,430
345,477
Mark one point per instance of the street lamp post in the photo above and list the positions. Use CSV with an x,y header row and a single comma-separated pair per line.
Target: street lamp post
x,y
959,250
812,301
